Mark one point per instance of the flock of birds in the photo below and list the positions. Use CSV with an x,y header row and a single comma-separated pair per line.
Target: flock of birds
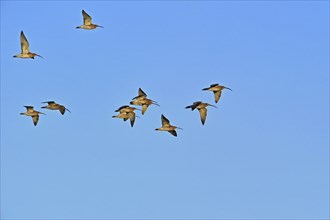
x,y
124,112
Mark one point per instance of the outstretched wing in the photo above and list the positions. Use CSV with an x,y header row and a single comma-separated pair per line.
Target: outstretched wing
x,y
203,113
144,108
29,108
141,93
49,102
173,132
87,18
217,95
62,109
24,43
35,119
165,121
132,118
122,107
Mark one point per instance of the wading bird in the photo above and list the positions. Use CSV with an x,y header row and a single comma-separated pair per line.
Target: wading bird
x,y
33,113
25,52
201,106
217,90
88,25
54,106
166,126
126,112
143,101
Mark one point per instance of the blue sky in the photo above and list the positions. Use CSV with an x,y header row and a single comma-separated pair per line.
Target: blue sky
x,y
263,153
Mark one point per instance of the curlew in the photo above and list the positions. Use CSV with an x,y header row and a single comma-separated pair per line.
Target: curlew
x,y
25,52
33,113
201,106
54,106
217,90
166,126
126,112
143,101
88,25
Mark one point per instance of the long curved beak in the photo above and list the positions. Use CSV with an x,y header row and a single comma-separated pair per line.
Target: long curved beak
x,y
229,88
68,110
39,56
213,106
155,103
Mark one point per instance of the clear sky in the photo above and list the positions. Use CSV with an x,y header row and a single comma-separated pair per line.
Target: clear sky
x,y
263,153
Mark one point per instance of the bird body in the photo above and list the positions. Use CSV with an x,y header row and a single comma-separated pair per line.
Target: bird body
x,y
88,25
54,106
33,113
25,51
217,90
166,126
201,107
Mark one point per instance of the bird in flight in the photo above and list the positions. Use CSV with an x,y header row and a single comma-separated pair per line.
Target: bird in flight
x,y
143,101
166,126
54,106
25,51
126,112
33,113
201,106
88,25
217,90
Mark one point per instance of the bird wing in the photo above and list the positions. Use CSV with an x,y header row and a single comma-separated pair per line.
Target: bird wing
x,y
215,84
62,109
87,18
49,102
165,121
141,93
122,107
144,108
217,95
35,119
24,43
29,108
195,105
132,118
173,132
203,113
